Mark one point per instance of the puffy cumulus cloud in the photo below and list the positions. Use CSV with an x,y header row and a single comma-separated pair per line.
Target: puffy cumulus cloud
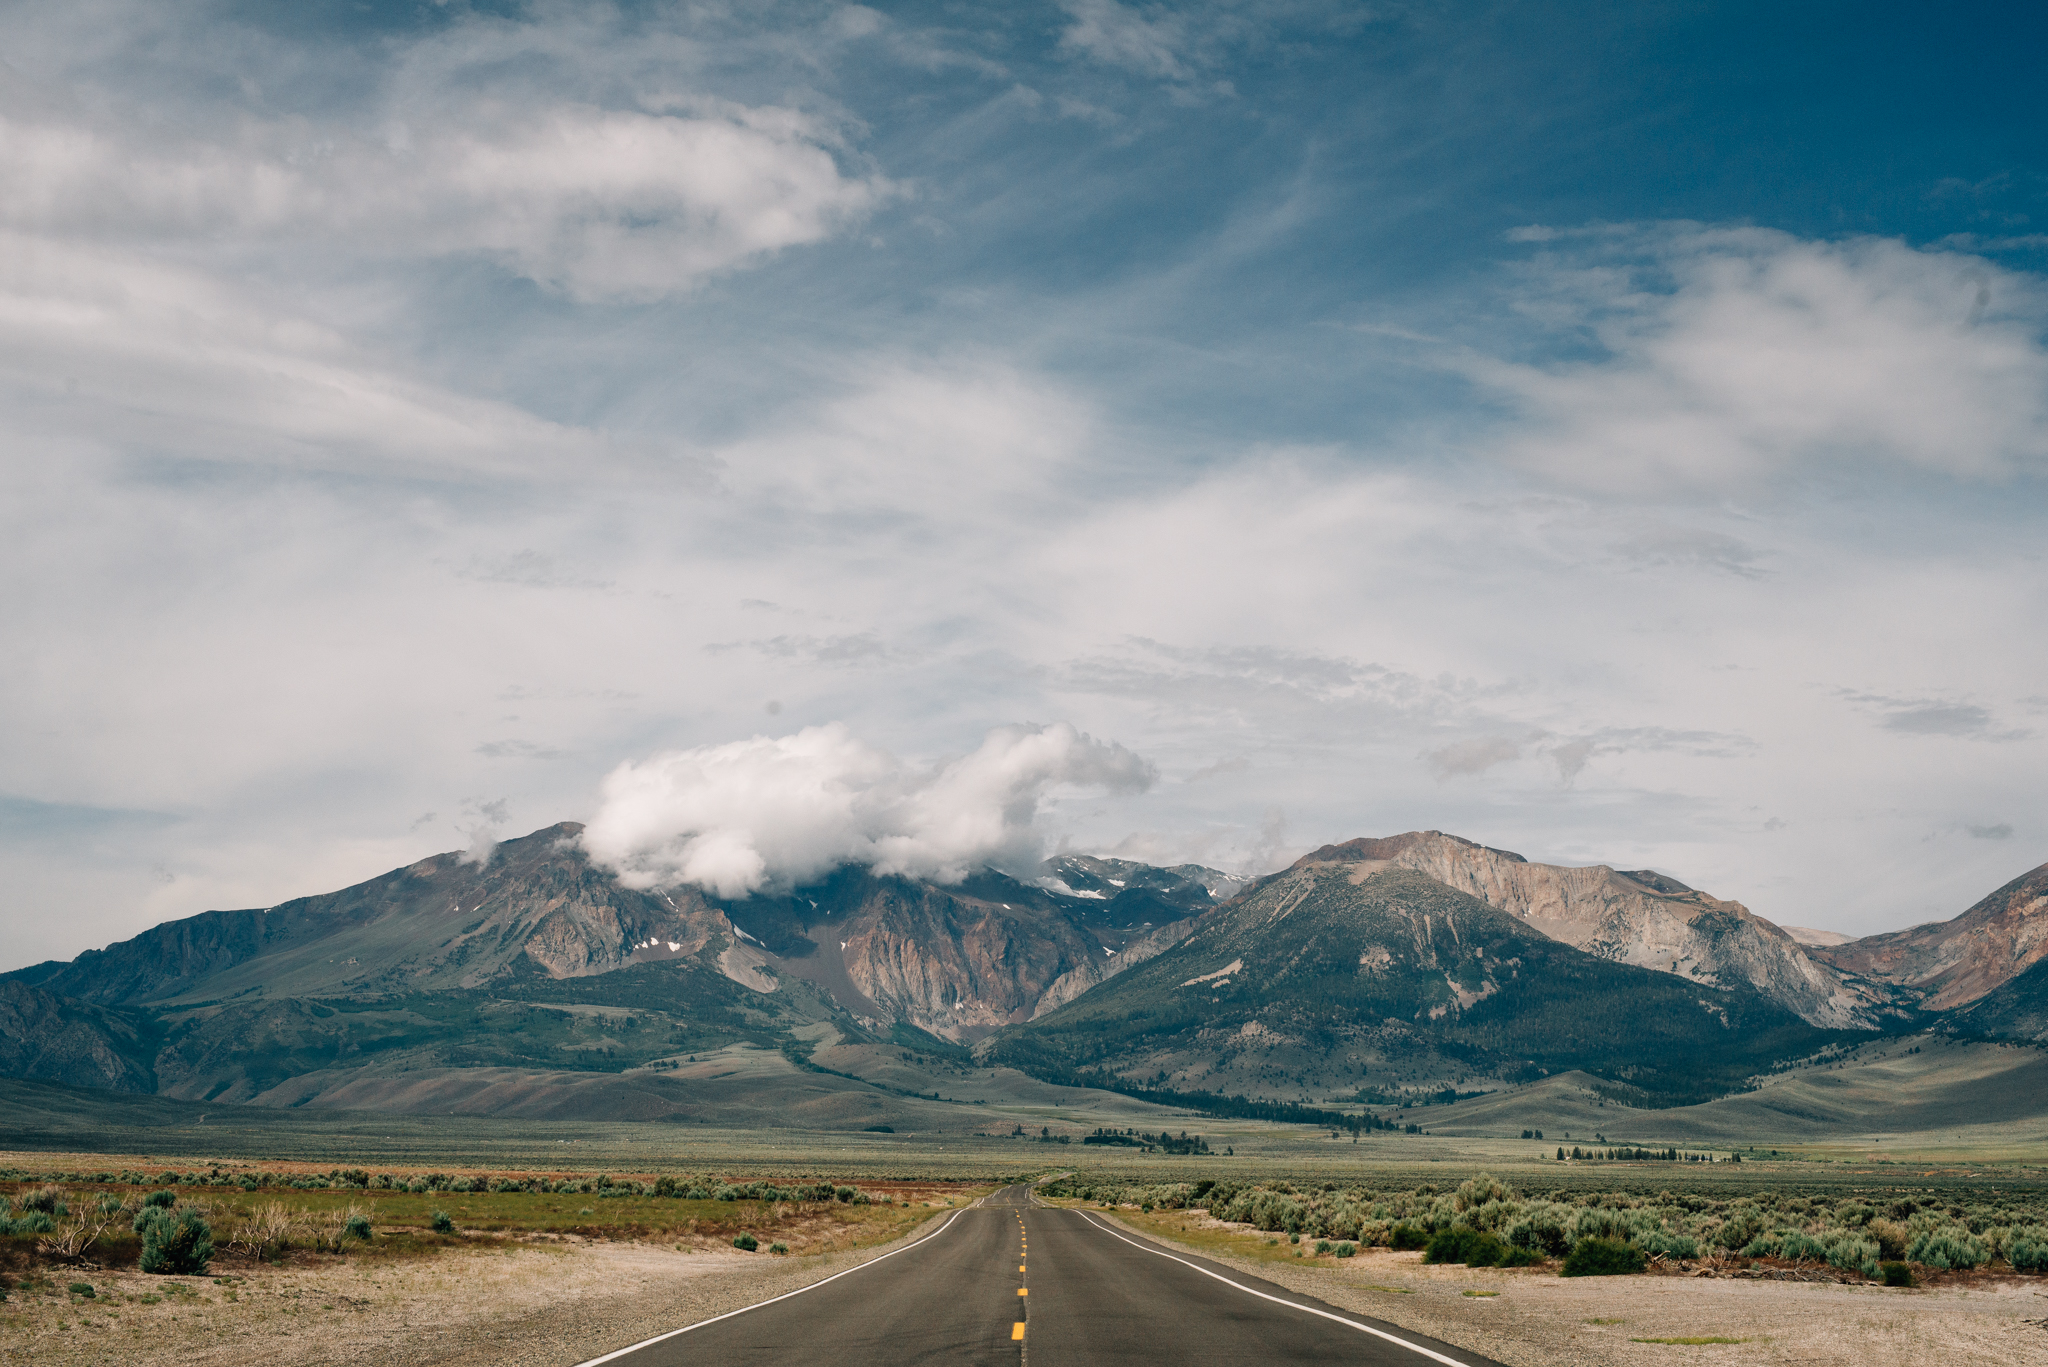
x,y
601,203
1730,356
779,811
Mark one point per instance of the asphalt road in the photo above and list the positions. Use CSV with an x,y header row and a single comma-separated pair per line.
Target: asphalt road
x,y
1009,1282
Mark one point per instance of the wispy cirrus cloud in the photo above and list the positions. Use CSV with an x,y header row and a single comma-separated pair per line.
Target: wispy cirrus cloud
x,y
1730,358
1936,717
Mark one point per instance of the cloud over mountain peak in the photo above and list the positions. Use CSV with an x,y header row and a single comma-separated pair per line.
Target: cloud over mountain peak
x,y
773,812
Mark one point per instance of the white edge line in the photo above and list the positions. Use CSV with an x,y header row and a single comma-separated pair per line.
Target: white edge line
x,y
658,1338
1305,1309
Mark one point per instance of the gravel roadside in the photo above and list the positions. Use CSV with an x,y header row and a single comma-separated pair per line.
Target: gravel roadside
x,y
549,1305
1538,1319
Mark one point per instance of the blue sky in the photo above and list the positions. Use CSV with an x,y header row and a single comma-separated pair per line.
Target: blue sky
x,y
1614,433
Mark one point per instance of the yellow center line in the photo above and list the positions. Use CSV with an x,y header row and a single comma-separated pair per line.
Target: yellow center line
x,y
1017,1330
1023,1291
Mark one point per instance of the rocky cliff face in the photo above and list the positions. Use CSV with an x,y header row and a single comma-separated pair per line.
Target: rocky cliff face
x,y
959,961
54,1039
1351,974
1951,963
1087,974
1639,918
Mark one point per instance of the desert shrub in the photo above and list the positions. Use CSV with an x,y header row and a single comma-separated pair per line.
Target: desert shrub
x,y
1742,1223
1851,1252
1597,1256
356,1225
1892,1238
1799,1246
1947,1248
1670,1245
778,1248
746,1243
47,1199
2027,1250
265,1232
1345,1250
160,1200
176,1245
1897,1274
1468,1246
1406,1237
34,1222
83,1289
1322,1246
443,1223
1541,1228
1480,1191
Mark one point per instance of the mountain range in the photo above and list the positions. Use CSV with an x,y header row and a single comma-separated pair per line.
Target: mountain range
x,y
1368,970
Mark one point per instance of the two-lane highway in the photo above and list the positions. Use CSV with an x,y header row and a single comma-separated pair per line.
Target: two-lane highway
x,y
1007,1281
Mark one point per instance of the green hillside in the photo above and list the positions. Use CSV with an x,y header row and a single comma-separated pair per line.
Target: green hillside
x,y
1357,979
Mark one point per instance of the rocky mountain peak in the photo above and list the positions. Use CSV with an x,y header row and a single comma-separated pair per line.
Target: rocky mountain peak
x,y
1947,964
1639,917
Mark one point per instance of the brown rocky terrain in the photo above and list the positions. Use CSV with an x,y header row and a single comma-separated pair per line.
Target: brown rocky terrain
x,y
962,960
1641,918
1946,964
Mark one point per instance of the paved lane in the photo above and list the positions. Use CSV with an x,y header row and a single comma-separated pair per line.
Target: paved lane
x,y
1007,1282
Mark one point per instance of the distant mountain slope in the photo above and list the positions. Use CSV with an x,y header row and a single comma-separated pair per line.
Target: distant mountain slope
x,y
440,923
1349,972
2017,1010
1640,918
1947,964
956,961
56,1039
1920,1088
538,962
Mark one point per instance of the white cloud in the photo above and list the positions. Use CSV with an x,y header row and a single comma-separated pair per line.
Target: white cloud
x,y
923,447
777,812
1475,756
1149,43
599,203
1734,357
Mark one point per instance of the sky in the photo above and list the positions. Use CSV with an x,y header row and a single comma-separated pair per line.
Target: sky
x,y
1614,433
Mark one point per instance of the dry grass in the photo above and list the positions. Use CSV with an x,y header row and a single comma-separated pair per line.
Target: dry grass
x,y
332,1309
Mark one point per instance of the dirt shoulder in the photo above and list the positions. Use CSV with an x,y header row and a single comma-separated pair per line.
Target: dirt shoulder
x,y
1532,1318
513,1305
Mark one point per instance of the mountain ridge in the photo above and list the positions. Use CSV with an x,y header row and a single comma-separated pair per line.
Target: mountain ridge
x,y
539,964
1361,974
1637,917
1947,964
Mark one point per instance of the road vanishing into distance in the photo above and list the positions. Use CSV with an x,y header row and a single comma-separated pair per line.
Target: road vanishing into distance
x,y
1008,1281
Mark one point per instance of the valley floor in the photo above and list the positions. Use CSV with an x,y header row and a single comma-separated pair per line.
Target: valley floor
x,y
554,1305
1533,1318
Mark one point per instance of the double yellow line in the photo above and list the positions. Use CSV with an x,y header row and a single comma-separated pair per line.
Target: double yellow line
x,y
1023,1248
